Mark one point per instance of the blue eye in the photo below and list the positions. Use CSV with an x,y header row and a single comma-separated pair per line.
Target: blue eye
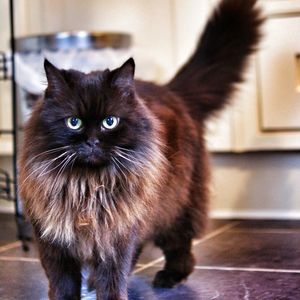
x,y
74,123
110,122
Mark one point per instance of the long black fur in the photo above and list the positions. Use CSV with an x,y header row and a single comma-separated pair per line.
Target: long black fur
x,y
91,203
207,80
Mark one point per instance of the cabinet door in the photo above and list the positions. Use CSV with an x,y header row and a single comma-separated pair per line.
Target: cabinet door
x,y
268,117
279,75
5,86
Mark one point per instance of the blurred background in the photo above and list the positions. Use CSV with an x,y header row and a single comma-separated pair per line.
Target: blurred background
x,y
254,144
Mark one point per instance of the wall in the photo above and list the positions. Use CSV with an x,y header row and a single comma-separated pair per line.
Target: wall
x,y
256,185
244,185
253,185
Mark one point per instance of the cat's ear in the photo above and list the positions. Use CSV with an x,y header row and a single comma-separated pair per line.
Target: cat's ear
x,y
123,77
54,76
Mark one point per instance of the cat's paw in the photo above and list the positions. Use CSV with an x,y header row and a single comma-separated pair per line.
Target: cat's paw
x,y
91,283
167,279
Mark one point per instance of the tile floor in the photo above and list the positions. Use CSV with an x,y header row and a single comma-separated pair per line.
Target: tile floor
x,y
235,260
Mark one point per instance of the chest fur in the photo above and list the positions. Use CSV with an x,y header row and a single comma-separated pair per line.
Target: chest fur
x,y
85,214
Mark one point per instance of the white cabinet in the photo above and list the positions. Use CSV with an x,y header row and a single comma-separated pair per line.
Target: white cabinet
x,y
6,146
267,109
265,114
5,86
279,74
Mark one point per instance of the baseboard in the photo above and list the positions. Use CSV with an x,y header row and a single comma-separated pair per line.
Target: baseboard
x,y
225,214
255,214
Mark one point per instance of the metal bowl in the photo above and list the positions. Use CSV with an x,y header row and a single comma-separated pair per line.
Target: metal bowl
x,y
73,40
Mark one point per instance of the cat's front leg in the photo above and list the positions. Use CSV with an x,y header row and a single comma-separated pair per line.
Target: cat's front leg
x,y
63,272
112,274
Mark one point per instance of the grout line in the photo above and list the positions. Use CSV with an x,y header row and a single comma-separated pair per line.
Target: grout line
x,y
24,259
148,265
10,246
241,269
216,268
215,233
195,243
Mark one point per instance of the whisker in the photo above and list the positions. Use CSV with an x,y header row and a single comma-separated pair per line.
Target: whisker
x,y
118,175
135,158
72,164
64,164
118,167
138,163
67,152
125,149
60,164
47,152
43,166
127,169
123,156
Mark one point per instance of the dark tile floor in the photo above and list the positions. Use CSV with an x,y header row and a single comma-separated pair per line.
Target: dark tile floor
x,y
235,260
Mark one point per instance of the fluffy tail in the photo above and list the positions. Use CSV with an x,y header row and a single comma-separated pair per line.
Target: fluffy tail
x,y
207,80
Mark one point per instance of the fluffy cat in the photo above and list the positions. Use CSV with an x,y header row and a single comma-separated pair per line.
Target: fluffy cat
x,y
110,162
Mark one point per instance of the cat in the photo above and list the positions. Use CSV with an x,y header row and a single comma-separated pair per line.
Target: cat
x,y
110,162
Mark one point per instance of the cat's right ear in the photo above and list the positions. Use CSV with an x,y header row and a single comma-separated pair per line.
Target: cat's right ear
x,y
54,77
123,77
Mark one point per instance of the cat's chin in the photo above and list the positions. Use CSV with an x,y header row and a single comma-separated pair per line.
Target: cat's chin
x,y
93,162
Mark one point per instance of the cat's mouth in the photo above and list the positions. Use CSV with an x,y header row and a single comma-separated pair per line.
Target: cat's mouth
x,y
93,159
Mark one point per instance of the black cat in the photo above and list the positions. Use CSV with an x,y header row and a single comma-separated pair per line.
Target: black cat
x,y
110,163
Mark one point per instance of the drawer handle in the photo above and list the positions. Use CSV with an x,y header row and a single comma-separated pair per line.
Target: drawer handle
x,y
297,60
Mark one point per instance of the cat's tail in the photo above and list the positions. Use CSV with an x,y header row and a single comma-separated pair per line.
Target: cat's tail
x,y
207,80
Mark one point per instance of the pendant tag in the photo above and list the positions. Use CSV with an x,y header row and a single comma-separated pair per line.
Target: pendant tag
x,y
83,220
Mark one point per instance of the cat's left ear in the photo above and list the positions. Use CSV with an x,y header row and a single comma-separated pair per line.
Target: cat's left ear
x,y
54,76
123,77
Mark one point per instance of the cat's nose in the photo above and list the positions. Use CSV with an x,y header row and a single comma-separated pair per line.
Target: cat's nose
x,y
93,142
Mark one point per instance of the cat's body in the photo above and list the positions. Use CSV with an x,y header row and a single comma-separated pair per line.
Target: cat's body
x,y
110,163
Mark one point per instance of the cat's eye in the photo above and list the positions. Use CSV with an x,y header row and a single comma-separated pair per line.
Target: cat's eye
x,y
74,123
110,122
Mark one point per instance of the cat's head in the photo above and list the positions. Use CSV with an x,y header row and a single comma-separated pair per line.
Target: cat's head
x,y
89,120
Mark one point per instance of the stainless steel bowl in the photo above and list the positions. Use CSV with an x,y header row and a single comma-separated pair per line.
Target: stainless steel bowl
x,y
73,40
